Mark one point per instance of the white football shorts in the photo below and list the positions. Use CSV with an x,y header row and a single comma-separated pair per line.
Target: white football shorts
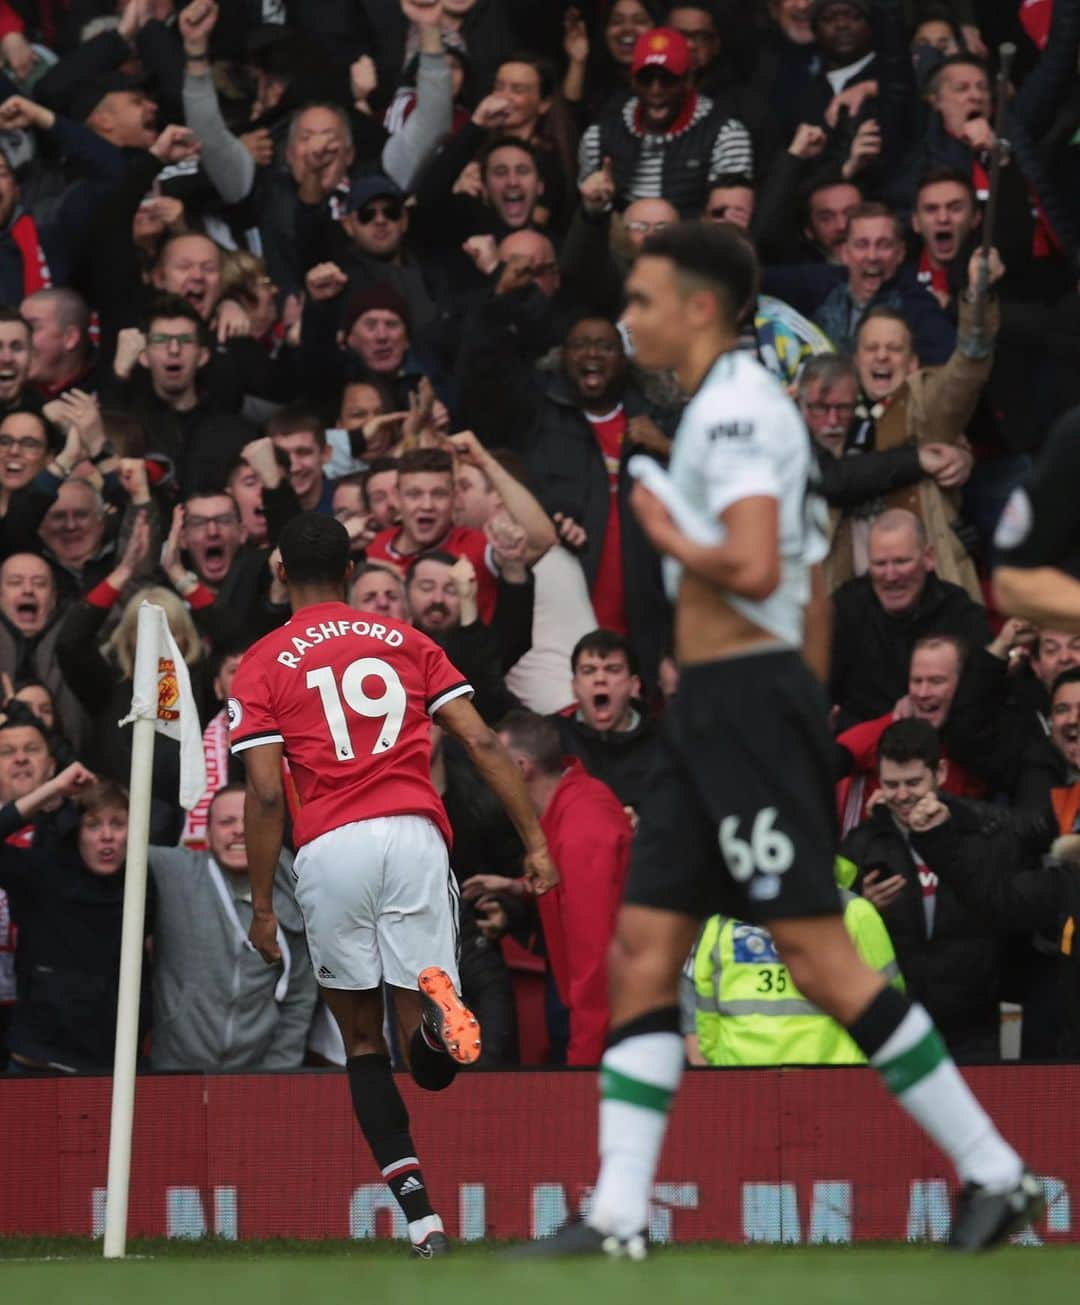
x,y
380,903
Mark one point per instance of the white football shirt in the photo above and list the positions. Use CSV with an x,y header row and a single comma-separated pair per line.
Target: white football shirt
x,y
742,437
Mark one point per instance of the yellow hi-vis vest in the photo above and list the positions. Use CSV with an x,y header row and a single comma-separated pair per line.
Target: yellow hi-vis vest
x,y
746,1009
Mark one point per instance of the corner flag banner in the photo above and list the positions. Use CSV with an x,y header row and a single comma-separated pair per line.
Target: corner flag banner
x,y
162,693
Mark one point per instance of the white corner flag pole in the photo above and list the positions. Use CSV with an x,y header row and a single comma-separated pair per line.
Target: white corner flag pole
x,y
131,948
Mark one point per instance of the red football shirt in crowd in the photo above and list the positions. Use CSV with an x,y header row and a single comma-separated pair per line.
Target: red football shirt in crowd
x,y
608,590
462,541
350,698
589,835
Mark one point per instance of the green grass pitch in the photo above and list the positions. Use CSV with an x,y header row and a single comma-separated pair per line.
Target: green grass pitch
x,y
71,1272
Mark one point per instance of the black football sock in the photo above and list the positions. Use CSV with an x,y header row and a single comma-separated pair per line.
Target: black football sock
x,y
384,1122
431,1069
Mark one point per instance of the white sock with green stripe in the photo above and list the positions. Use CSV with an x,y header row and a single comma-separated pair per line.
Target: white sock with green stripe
x,y
638,1078
920,1073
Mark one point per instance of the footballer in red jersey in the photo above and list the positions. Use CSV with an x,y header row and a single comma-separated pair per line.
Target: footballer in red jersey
x,y
347,700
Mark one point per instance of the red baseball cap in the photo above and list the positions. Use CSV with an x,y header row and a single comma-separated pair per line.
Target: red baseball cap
x,y
662,47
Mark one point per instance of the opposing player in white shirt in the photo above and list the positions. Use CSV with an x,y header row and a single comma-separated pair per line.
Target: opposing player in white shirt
x,y
739,817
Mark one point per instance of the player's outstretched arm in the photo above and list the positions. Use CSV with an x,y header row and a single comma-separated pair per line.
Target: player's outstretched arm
x,y
1042,595
264,829
461,719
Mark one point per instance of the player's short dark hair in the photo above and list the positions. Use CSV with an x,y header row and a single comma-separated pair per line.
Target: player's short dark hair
x,y
603,643
1071,676
710,254
175,306
315,549
418,460
940,174
910,740
534,735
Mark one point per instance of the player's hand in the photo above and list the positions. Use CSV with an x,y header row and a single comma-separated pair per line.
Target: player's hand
x,y
881,892
263,935
928,813
539,871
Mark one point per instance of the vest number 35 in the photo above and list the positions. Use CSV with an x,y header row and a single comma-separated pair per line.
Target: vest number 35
x,y
389,706
769,852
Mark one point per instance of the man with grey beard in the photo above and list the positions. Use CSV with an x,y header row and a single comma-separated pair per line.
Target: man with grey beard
x,y
855,486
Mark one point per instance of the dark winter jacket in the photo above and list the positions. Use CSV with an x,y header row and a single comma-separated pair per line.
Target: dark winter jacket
x,y
622,759
871,652
954,969
68,959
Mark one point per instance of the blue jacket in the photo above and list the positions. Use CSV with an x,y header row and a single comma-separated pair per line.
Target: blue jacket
x,y
820,291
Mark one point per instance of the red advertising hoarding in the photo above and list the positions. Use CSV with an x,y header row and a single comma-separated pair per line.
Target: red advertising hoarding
x,y
817,1155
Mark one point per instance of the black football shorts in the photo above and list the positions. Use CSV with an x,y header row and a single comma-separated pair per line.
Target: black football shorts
x,y
740,812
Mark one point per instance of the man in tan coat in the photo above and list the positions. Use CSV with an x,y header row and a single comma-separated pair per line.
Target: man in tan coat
x,y
903,402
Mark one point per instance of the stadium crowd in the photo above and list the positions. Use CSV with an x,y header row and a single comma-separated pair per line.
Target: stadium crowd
x,y
367,257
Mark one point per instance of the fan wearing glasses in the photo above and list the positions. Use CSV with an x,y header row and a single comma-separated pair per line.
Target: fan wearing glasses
x,y
657,141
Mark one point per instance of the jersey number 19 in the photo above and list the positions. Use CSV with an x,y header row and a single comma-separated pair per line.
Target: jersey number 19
x,y
389,706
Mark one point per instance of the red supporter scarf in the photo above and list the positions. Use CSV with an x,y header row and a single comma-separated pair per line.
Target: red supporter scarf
x,y
36,274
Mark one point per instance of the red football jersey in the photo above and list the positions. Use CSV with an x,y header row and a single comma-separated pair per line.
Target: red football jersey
x,y
462,541
350,698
